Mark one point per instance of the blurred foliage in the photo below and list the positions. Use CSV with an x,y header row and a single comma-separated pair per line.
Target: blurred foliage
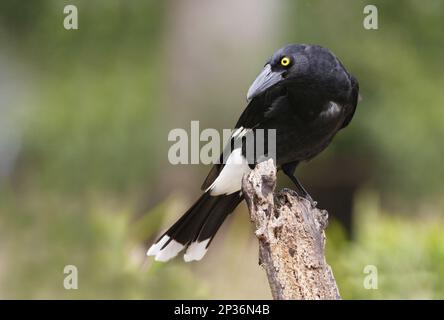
x,y
91,186
408,254
90,103
97,239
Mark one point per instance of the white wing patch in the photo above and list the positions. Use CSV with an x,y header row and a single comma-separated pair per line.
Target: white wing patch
x,y
196,250
239,132
236,132
331,111
230,178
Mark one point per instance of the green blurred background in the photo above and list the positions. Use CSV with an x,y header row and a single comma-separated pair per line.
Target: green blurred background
x,y
84,118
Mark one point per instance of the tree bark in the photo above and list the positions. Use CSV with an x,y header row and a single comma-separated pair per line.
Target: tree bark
x,y
291,238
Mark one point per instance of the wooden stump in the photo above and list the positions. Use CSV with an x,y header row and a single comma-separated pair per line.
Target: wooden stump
x,y
291,238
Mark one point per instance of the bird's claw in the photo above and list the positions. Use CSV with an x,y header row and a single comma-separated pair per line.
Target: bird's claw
x,y
309,199
312,202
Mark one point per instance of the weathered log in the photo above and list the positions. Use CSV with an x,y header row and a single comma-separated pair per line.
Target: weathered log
x,y
291,238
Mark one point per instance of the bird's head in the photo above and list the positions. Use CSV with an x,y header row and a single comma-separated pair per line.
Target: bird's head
x,y
301,66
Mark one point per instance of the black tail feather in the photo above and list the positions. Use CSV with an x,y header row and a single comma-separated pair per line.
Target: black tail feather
x,y
202,221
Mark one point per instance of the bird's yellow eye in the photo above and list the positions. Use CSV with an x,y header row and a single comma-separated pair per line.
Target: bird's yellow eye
x,y
285,61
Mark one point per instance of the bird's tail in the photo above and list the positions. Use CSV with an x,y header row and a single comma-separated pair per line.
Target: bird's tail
x,y
196,228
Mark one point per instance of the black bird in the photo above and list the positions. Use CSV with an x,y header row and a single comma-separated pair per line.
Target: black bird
x,y
306,95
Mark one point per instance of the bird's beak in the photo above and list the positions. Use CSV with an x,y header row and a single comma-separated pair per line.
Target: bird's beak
x,y
266,79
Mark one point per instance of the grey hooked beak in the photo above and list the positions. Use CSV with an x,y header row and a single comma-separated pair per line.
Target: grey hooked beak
x,y
266,79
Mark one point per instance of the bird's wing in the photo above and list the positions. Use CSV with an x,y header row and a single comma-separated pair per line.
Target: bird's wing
x,y
262,108
354,101
258,111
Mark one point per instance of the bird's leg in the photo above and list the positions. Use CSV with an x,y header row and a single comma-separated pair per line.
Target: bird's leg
x,y
289,169
301,190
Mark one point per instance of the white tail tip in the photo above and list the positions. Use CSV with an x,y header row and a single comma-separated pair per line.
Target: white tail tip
x,y
196,251
167,253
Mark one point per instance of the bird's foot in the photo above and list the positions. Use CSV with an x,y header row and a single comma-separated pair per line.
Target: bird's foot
x,y
312,202
306,196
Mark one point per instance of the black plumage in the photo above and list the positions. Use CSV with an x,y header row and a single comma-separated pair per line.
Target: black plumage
x,y
306,95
